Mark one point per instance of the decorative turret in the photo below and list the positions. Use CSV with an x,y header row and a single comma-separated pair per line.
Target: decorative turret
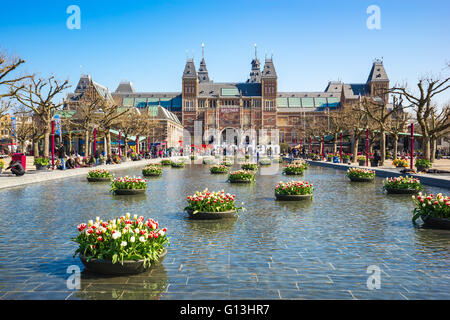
x,y
202,71
255,74
378,81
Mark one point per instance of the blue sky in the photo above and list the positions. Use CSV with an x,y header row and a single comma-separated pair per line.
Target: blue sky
x,y
146,41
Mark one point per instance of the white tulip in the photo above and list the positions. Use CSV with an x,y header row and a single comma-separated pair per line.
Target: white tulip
x,y
132,239
90,223
123,244
97,219
127,215
135,217
142,239
116,235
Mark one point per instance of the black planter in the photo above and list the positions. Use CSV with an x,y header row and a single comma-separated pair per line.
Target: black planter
x,y
345,160
99,179
357,179
211,215
240,181
362,163
128,267
284,197
421,168
218,172
374,163
152,174
401,191
41,167
129,191
293,173
436,223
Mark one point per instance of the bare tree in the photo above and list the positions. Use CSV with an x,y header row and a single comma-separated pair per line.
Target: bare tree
x,y
7,66
39,96
439,126
397,125
109,116
428,88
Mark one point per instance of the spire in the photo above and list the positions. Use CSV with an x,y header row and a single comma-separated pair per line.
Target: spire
x,y
189,70
269,69
203,71
377,73
255,73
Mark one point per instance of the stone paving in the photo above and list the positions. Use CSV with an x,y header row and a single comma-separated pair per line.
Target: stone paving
x,y
319,249
8,180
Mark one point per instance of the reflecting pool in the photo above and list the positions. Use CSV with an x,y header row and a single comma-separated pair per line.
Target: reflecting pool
x,y
319,249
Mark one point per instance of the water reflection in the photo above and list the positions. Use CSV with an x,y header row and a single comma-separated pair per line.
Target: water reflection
x,y
343,229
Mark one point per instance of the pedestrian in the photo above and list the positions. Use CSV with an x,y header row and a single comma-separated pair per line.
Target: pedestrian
x,y
62,155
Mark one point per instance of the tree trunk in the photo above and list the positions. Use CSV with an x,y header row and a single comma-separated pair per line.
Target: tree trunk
x,y
382,147
433,148
46,142
36,148
86,144
335,138
426,147
355,142
395,146
108,144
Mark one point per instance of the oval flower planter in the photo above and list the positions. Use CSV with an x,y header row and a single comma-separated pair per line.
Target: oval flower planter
x,y
240,181
401,191
437,223
288,197
152,174
293,173
218,172
358,179
128,267
211,215
129,191
99,179
41,167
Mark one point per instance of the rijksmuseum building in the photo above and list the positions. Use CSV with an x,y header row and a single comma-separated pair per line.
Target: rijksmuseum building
x,y
252,104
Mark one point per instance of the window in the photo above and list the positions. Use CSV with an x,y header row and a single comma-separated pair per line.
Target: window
x,y
189,105
257,103
269,105
201,103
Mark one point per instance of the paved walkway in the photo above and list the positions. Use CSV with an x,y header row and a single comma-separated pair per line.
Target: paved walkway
x,y
437,180
8,180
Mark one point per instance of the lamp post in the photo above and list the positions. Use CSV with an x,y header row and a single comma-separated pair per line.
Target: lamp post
x,y
367,147
412,147
341,147
53,144
310,148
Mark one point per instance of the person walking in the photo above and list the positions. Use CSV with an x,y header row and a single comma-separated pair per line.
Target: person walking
x,y
62,155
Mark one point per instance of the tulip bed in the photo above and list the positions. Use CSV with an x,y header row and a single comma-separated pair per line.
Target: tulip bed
x,y
241,175
166,162
429,205
227,163
218,169
404,183
294,188
294,169
360,173
121,239
128,183
152,170
177,164
211,201
249,166
99,173
208,160
400,163
265,162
